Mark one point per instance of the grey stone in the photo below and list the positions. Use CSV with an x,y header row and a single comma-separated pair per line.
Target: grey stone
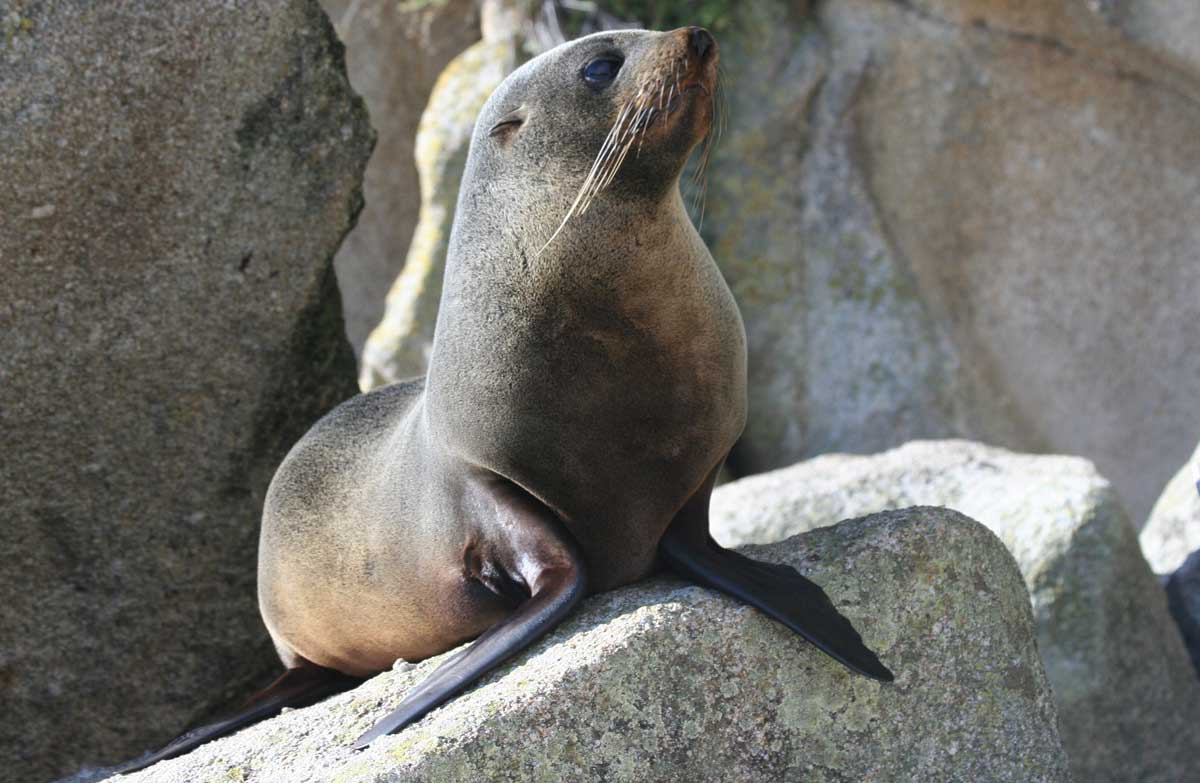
x,y
904,201
1173,530
1183,599
395,52
961,218
1128,705
177,179
1169,27
843,353
664,681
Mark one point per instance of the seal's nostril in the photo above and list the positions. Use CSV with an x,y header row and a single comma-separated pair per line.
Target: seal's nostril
x,y
699,40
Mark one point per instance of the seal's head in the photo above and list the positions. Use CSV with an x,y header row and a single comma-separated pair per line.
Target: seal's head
x,y
612,116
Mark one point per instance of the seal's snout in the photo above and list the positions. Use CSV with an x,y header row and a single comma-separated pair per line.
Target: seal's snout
x,y
700,41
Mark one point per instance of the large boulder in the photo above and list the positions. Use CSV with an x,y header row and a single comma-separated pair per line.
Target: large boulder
x,y
398,347
394,54
664,681
1173,530
177,179
1128,704
908,200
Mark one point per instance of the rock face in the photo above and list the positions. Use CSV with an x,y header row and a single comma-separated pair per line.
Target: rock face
x,y
906,197
394,53
398,348
1183,598
176,182
1173,530
844,354
904,200
1166,26
664,681
1128,704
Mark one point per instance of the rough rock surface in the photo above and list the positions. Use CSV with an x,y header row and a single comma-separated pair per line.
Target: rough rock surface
x,y
176,182
664,681
398,347
394,53
1054,145
1173,530
1171,27
1128,704
1183,598
904,204
843,353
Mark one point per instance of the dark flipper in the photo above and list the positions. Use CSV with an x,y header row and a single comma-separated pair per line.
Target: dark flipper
x,y
538,557
297,687
777,590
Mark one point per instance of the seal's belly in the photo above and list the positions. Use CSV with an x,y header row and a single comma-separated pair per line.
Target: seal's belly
x,y
359,619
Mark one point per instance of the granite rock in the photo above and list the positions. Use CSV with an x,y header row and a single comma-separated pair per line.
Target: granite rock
x,y
961,218
1128,704
177,179
1168,27
906,199
1173,530
664,681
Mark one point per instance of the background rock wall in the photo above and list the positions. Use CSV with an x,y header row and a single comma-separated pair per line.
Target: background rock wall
x,y
942,218
395,52
176,181
399,346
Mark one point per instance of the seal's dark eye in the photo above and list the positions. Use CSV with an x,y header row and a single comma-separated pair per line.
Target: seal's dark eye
x,y
599,72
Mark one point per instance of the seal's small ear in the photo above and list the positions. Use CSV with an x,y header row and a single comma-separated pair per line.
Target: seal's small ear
x,y
507,126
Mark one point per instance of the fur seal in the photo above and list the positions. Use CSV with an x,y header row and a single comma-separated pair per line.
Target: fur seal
x,y
587,381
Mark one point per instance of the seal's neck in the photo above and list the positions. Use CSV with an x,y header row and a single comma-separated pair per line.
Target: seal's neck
x,y
614,269
532,252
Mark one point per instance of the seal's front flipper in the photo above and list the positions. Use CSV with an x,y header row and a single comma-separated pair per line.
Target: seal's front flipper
x,y
536,557
777,590
296,687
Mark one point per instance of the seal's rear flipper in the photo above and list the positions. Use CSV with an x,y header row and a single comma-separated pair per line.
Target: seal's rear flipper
x,y
298,687
777,590
536,556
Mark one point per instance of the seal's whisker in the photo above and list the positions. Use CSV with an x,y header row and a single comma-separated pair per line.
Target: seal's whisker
x,y
610,143
628,132
630,135
613,156
644,118
700,179
721,105
609,151
612,172
587,190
